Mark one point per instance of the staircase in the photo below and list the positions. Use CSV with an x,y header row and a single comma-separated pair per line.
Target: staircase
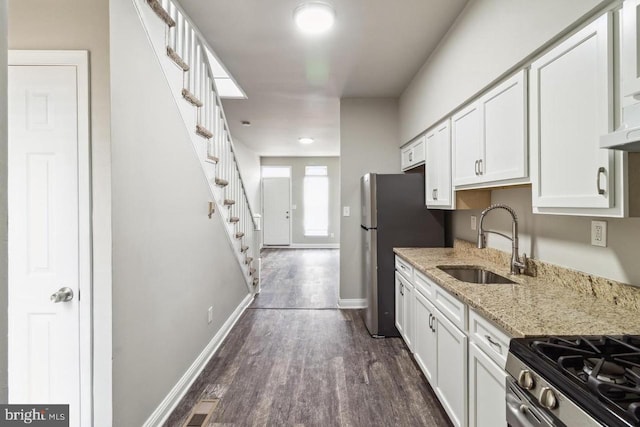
x,y
182,54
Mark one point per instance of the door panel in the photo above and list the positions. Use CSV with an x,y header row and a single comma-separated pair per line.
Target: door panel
x,y
424,338
276,196
487,382
467,140
571,89
44,337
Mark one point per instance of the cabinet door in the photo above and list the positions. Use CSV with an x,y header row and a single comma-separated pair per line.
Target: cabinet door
x,y
505,140
630,55
399,304
571,99
407,312
486,390
438,175
406,157
419,151
451,347
424,341
467,137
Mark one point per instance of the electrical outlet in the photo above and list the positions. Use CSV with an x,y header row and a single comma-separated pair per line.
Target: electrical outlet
x,y
474,222
210,315
599,233
346,211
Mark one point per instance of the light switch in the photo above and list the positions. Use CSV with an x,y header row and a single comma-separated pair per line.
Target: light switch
x,y
346,211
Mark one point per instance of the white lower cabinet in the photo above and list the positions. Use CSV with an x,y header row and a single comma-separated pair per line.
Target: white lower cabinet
x,y
451,369
461,353
407,311
404,309
486,390
399,304
424,344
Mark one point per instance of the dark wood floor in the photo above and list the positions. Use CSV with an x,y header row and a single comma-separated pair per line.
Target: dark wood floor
x,y
310,367
299,278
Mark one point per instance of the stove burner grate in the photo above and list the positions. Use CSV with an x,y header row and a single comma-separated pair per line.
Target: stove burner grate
x,y
608,367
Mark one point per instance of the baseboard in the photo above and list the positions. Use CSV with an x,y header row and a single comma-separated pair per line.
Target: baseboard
x,y
352,304
304,246
166,407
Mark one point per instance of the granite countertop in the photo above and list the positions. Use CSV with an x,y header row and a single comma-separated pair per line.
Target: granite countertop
x,y
534,306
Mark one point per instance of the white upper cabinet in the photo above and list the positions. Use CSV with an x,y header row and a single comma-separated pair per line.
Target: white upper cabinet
x,y
467,140
413,154
630,56
505,131
438,167
571,106
490,137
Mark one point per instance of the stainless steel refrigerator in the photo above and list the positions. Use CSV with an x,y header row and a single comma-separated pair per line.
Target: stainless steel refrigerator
x,y
393,215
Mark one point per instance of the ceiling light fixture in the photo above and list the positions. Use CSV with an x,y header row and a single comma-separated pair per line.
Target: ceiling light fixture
x,y
246,123
314,17
305,140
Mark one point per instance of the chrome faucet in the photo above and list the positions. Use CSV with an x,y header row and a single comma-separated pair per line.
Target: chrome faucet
x,y
517,266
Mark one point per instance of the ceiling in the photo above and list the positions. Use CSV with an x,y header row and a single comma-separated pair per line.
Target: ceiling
x,y
294,82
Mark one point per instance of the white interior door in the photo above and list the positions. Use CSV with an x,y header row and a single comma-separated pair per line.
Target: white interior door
x,y
276,202
45,237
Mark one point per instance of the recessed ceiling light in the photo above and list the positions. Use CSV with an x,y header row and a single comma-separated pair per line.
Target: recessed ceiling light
x,y
305,140
314,17
246,123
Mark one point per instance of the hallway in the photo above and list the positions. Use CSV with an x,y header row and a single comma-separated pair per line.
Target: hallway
x,y
294,359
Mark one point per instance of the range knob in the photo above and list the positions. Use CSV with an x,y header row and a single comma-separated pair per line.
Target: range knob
x,y
548,398
525,380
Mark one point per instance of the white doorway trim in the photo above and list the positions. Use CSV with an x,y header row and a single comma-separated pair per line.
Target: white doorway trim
x,y
80,60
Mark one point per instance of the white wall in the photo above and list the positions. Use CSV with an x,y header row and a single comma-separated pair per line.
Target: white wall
x,y
249,162
170,262
488,39
3,200
368,143
297,165
84,25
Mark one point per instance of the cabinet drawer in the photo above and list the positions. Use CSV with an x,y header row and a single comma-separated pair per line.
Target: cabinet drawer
x,y
454,309
492,340
404,268
423,285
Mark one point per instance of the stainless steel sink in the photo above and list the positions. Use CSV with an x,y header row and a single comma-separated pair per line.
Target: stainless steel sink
x,y
472,274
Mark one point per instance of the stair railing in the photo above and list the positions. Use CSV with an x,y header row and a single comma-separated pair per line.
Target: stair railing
x,y
186,47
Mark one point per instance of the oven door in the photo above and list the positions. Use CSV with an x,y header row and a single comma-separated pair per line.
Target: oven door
x,y
522,411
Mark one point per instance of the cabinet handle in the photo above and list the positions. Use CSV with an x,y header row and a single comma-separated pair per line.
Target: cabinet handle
x,y
480,167
601,171
436,198
411,156
401,289
433,327
476,168
492,342
430,321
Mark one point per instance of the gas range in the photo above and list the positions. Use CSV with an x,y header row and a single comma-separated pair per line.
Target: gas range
x,y
574,381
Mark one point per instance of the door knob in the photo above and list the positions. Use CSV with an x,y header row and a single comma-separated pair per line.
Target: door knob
x,y
62,295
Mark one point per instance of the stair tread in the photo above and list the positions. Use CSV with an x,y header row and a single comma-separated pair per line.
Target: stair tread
x,y
204,132
248,260
191,98
234,219
239,235
177,59
222,182
244,248
229,202
163,14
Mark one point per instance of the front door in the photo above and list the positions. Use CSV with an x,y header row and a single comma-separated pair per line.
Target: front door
x,y
45,237
276,202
